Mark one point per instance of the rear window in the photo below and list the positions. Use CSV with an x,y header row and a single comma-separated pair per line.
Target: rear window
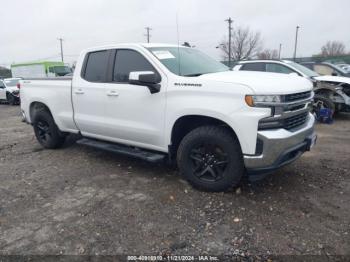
x,y
96,66
253,67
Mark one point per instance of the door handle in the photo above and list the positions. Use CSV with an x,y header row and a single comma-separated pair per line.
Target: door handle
x,y
112,93
79,91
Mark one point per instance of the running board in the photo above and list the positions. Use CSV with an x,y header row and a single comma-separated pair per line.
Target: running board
x,y
125,150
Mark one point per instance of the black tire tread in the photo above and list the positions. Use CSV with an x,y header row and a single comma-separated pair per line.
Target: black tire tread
x,y
224,135
58,138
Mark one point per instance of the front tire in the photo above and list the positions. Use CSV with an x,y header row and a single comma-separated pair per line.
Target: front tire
x,y
46,131
210,158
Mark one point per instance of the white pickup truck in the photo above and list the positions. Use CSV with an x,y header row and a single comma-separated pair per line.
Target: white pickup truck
x,y
164,102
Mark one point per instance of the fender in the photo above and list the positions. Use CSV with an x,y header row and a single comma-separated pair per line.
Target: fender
x,y
246,133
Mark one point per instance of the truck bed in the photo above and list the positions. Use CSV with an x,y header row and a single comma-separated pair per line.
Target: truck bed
x,y
60,101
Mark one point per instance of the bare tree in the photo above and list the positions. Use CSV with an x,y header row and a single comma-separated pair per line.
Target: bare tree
x,y
244,44
333,48
268,54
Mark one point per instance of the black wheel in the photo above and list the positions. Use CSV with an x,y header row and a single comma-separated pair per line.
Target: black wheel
x,y
11,99
210,158
46,131
323,102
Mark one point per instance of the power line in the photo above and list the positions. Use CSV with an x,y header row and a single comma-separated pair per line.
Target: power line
x,y
148,29
230,21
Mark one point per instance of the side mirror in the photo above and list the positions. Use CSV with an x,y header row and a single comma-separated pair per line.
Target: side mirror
x,y
146,78
334,74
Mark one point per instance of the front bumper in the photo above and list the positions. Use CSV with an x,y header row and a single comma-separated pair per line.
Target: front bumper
x,y
280,147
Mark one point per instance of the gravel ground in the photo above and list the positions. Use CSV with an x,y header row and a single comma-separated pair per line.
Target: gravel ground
x,y
78,200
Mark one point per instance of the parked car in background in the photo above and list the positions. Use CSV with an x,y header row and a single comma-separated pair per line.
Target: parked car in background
x,y
332,92
40,69
157,102
9,90
324,68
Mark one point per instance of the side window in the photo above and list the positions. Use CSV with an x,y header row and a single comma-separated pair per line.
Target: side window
x,y
2,84
277,68
96,66
324,70
310,66
253,67
127,61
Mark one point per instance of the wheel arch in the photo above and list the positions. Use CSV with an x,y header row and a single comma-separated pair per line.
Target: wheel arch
x,y
186,123
36,106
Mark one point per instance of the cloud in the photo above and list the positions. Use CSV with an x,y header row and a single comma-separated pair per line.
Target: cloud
x,y
29,29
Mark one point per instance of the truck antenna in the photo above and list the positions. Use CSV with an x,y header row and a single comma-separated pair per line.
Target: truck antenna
x,y
178,41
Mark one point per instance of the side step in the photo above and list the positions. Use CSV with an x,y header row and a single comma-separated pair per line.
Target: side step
x,y
125,150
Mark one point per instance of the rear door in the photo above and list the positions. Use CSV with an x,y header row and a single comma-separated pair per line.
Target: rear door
x,y
89,93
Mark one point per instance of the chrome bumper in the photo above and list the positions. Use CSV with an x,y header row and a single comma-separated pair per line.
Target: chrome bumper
x,y
281,147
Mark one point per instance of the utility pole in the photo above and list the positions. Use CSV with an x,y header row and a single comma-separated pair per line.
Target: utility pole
x,y
279,52
148,29
296,43
61,40
230,21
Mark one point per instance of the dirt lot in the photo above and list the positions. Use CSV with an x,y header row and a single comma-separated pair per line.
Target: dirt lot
x,y
78,200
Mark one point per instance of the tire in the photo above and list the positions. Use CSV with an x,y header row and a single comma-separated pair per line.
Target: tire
x,y
325,101
46,131
11,99
210,159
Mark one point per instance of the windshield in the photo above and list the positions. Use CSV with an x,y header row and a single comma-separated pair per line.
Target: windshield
x,y
11,82
187,61
303,69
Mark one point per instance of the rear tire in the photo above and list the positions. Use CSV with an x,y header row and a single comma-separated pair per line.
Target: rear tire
x,y
46,131
210,158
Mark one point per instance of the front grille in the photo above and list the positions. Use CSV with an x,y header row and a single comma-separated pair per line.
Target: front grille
x,y
295,121
286,123
297,96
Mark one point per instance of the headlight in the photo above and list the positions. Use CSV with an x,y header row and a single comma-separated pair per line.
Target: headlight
x,y
256,99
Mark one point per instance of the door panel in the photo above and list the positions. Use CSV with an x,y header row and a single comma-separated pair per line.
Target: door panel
x,y
134,113
118,111
89,94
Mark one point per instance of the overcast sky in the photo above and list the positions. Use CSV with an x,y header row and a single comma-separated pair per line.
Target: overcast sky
x,y
29,28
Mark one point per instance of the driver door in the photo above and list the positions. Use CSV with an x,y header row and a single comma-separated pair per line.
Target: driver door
x,y
132,112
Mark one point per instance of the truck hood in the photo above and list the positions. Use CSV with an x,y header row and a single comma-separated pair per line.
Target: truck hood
x,y
338,79
263,83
